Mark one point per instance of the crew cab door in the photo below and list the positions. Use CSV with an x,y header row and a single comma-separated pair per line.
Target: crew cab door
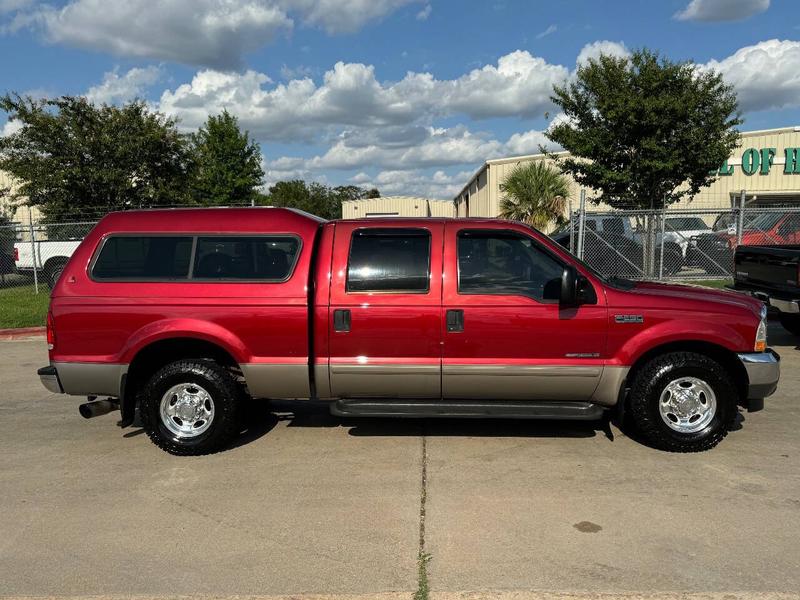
x,y
385,310
503,338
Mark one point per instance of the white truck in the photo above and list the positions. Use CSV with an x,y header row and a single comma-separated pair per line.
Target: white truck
x,y
47,257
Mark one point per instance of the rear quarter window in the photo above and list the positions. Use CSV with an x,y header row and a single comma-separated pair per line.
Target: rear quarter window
x,y
143,258
132,258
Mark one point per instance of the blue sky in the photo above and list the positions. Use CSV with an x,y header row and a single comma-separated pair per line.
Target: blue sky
x,y
409,96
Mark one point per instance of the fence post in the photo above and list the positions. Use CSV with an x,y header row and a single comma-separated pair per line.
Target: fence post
x,y
740,219
661,248
33,250
571,228
581,223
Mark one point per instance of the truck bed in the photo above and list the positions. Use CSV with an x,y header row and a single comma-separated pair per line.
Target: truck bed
x,y
774,270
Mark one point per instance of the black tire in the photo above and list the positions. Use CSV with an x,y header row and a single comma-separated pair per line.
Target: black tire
x,y
221,387
652,380
53,271
791,323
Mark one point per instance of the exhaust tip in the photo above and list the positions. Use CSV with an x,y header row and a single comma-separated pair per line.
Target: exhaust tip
x,y
97,408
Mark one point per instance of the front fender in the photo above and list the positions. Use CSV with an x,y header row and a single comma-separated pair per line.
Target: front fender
x,y
684,331
185,328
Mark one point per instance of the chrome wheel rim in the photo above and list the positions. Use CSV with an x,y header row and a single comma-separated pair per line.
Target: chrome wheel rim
x,y
687,404
187,410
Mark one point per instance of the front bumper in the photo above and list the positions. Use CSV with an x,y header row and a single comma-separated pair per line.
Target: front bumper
x,y
763,372
49,378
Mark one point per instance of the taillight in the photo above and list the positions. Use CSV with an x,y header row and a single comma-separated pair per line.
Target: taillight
x,y
16,254
51,332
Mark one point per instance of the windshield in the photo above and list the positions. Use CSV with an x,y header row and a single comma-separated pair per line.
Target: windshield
x,y
685,224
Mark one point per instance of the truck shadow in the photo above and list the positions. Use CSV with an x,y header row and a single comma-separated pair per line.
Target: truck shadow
x,y
302,413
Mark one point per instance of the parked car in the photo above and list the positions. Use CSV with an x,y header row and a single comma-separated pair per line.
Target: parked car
x,y
615,255
183,313
49,259
772,274
770,228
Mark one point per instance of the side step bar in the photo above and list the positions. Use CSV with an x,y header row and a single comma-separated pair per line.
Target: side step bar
x,y
507,409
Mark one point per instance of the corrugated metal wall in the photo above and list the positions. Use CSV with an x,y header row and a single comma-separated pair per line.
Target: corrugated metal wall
x,y
400,206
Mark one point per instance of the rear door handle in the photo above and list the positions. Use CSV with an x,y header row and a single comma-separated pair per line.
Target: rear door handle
x,y
341,320
455,320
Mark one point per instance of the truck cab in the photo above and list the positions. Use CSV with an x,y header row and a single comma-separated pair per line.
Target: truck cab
x,y
182,313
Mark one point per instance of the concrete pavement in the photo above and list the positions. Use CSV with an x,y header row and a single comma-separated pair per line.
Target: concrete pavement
x,y
309,504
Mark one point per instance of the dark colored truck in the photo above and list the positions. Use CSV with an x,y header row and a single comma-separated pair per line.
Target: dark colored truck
x,y
182,314
771,274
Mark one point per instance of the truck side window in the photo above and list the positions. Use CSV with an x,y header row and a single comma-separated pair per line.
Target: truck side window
x,y
500,262
257,258
389,260
143,258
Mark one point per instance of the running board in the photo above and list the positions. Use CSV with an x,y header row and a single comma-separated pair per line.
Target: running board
x,y
507,409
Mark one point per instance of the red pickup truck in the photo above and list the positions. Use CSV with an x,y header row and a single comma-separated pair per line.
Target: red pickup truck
x,y
183,313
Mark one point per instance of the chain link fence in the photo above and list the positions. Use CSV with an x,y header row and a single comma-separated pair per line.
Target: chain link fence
x,y
673,244
676,244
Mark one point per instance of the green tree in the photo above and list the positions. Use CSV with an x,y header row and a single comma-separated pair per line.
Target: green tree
x,y
75,160
227,163
644,131
535,194
315,198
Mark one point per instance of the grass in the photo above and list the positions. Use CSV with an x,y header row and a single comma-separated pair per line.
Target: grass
x,y
712,283
21,307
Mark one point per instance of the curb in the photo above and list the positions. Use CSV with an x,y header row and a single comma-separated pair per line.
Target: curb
x,y
21,332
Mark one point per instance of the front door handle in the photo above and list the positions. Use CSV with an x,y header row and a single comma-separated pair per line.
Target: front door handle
x,y
341,320
455,320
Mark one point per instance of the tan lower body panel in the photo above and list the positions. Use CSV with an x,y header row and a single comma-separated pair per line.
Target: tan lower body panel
x,y
513,382
385,381
609,386
265,380
90,379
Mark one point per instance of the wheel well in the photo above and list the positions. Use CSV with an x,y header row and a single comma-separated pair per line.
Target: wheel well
x,y
158,354
728,359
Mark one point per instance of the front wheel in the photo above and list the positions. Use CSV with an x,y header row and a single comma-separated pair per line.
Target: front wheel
x,y
190,407
682,402
791,323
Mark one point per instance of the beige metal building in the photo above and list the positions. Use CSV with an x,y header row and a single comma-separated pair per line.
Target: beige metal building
x,y
766,164
397,206
12,208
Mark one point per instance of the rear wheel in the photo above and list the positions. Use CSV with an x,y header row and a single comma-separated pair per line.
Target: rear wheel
x,y
682,402
791,323
190,407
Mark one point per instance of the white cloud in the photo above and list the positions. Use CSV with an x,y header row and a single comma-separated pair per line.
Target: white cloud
x,y
350,95
595,49
425,13
214,33
721,10
342,16
765,75
546,32
200,32
414,182
10,128
122,88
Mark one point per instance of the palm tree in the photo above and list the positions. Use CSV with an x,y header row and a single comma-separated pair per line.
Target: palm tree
x,y
534,194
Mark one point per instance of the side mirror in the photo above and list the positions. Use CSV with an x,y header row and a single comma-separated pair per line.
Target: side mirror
x,y
569,287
